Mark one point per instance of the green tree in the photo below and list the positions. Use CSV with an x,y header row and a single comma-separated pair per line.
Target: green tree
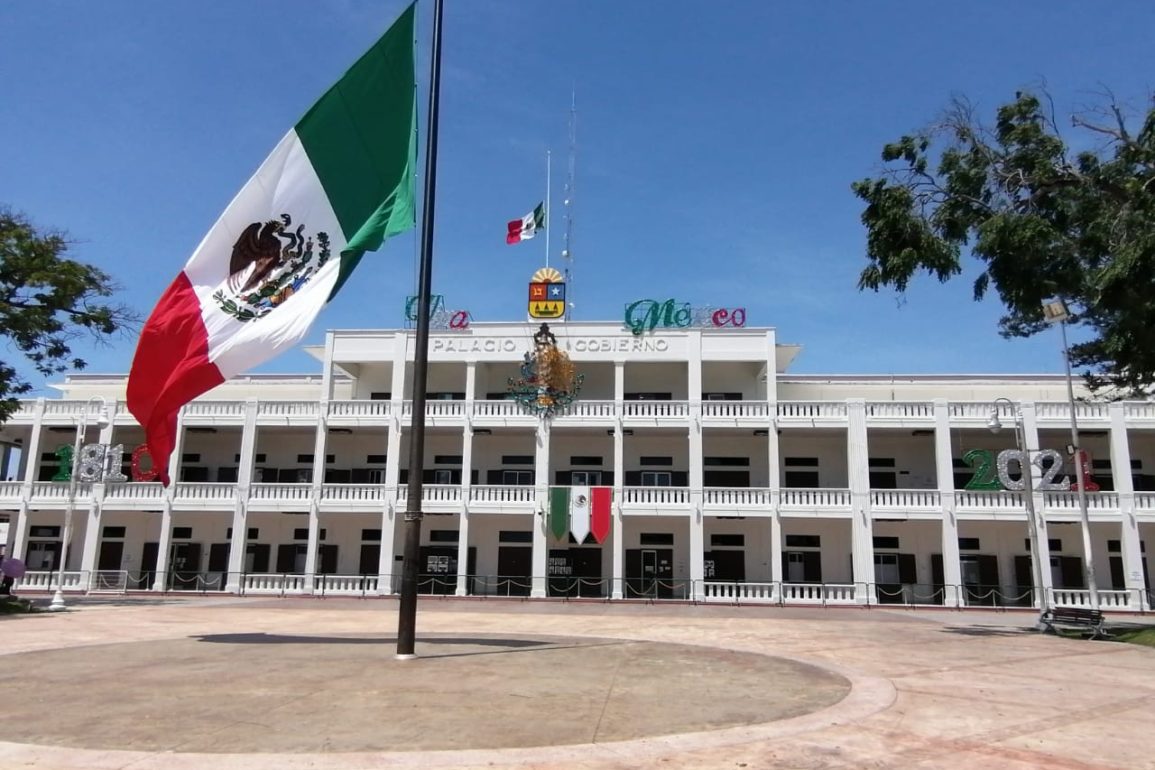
x,y
1039,218
46,302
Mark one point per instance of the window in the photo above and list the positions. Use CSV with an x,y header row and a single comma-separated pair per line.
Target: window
x,y
1053,544
586,478
190,457
375,459
447,459
800,479
260,458
721,396
803,541
802,462
444,395
227,475
517,478
882,462
194,473
367,476
651,460
586,460
499,395
302,533
253,533
656,478
443,535
182,533
727,540
513,536
380,395
371,535
647,396
730,462
443,476
881,541
517,459
48,532
113,532
656,538
968,544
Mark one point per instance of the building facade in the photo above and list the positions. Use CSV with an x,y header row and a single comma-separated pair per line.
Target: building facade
x,y
732,479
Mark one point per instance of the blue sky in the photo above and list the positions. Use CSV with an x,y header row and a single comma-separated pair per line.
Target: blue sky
x,y
717,142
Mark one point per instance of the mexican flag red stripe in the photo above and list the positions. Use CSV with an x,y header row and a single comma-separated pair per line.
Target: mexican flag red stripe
x,y
337,185
600,498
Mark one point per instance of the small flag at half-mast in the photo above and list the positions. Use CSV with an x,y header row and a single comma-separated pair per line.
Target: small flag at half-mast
x,y
525,228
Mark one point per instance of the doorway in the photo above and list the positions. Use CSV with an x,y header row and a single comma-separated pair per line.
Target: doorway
x,y
650,573
184,566
514,570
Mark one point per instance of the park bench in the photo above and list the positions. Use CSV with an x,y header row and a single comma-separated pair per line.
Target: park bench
x,y
1076,618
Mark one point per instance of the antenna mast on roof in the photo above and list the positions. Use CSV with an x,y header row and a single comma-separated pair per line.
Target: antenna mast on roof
x,y
567,201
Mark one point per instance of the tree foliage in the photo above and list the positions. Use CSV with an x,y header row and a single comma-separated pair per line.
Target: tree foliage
x,y
1042,219
46,302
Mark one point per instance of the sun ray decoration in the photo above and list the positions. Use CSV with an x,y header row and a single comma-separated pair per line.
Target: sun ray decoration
x,y
548,383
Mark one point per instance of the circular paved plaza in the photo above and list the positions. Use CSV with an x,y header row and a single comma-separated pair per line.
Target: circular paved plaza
x,y
241,683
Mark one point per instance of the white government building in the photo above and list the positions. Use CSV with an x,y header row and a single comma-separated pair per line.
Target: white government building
x,y
732,479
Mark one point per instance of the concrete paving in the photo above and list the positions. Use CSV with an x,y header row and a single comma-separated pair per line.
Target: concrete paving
x,y
242,683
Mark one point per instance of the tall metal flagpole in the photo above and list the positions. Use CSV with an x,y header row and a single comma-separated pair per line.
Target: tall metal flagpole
x,y
407,616
548,168
567,201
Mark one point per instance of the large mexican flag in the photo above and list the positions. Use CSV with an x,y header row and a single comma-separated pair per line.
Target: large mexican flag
x,y
337,185
580,511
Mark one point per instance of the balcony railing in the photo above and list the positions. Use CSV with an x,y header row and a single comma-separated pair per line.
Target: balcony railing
x,y
905,499
1059,410
815,499
1145,501
301,409
818,593
11,490
493,493
223,409
1077,597
590,409
736,409
900,410
352,493
503,408
656,495
58,491
736,498
744,593
811,410
359,408
433,493
286,492
989,501
136,490
655,409
1069,501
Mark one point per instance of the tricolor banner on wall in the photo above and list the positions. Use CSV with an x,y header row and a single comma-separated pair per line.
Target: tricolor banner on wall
x,y
580,511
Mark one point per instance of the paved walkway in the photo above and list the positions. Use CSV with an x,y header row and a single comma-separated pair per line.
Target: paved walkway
x,y
237,683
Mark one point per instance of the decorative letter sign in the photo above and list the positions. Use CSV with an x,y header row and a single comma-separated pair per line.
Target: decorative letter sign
x,y
645,315
1048,461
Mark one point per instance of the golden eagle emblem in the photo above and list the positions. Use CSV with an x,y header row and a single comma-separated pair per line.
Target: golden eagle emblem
x,y
270,262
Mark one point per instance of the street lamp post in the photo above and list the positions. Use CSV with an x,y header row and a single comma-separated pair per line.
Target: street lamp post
x,y
1028,491
1055,312
81,425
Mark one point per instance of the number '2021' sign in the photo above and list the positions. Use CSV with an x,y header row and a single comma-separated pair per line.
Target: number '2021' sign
x,y
992,473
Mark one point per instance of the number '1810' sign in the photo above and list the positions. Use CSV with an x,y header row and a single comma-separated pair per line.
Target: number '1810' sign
x,y
102,463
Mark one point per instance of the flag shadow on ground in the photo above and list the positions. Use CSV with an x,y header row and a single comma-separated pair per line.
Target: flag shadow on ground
x,y
503,645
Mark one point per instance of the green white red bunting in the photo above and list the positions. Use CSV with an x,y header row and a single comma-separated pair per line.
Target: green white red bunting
x,y
580,511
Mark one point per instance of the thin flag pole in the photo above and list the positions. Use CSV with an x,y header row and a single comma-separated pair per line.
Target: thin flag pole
x,y
407,614
548,168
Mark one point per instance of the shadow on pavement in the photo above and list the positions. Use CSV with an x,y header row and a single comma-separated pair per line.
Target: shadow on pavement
x,y
988,630
262,638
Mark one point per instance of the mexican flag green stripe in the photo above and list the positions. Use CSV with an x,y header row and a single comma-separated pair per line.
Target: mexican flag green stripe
x,y
351,137
559,512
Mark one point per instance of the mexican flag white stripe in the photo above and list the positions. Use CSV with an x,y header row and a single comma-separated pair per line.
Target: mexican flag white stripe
x,y
337,185
579,512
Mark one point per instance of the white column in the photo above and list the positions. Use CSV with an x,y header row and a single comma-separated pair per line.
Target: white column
x,y
466,480
773,458
30,457
1129,540
541,482
244,481
320,446
20,538
91,539
387,574
944,472
1031,437
697,525
164,545
617,537
861,525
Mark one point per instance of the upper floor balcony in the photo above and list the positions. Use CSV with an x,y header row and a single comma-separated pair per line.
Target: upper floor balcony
x,y
596,413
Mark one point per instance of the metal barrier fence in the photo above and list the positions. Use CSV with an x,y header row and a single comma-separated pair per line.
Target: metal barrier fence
x,y
911,595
